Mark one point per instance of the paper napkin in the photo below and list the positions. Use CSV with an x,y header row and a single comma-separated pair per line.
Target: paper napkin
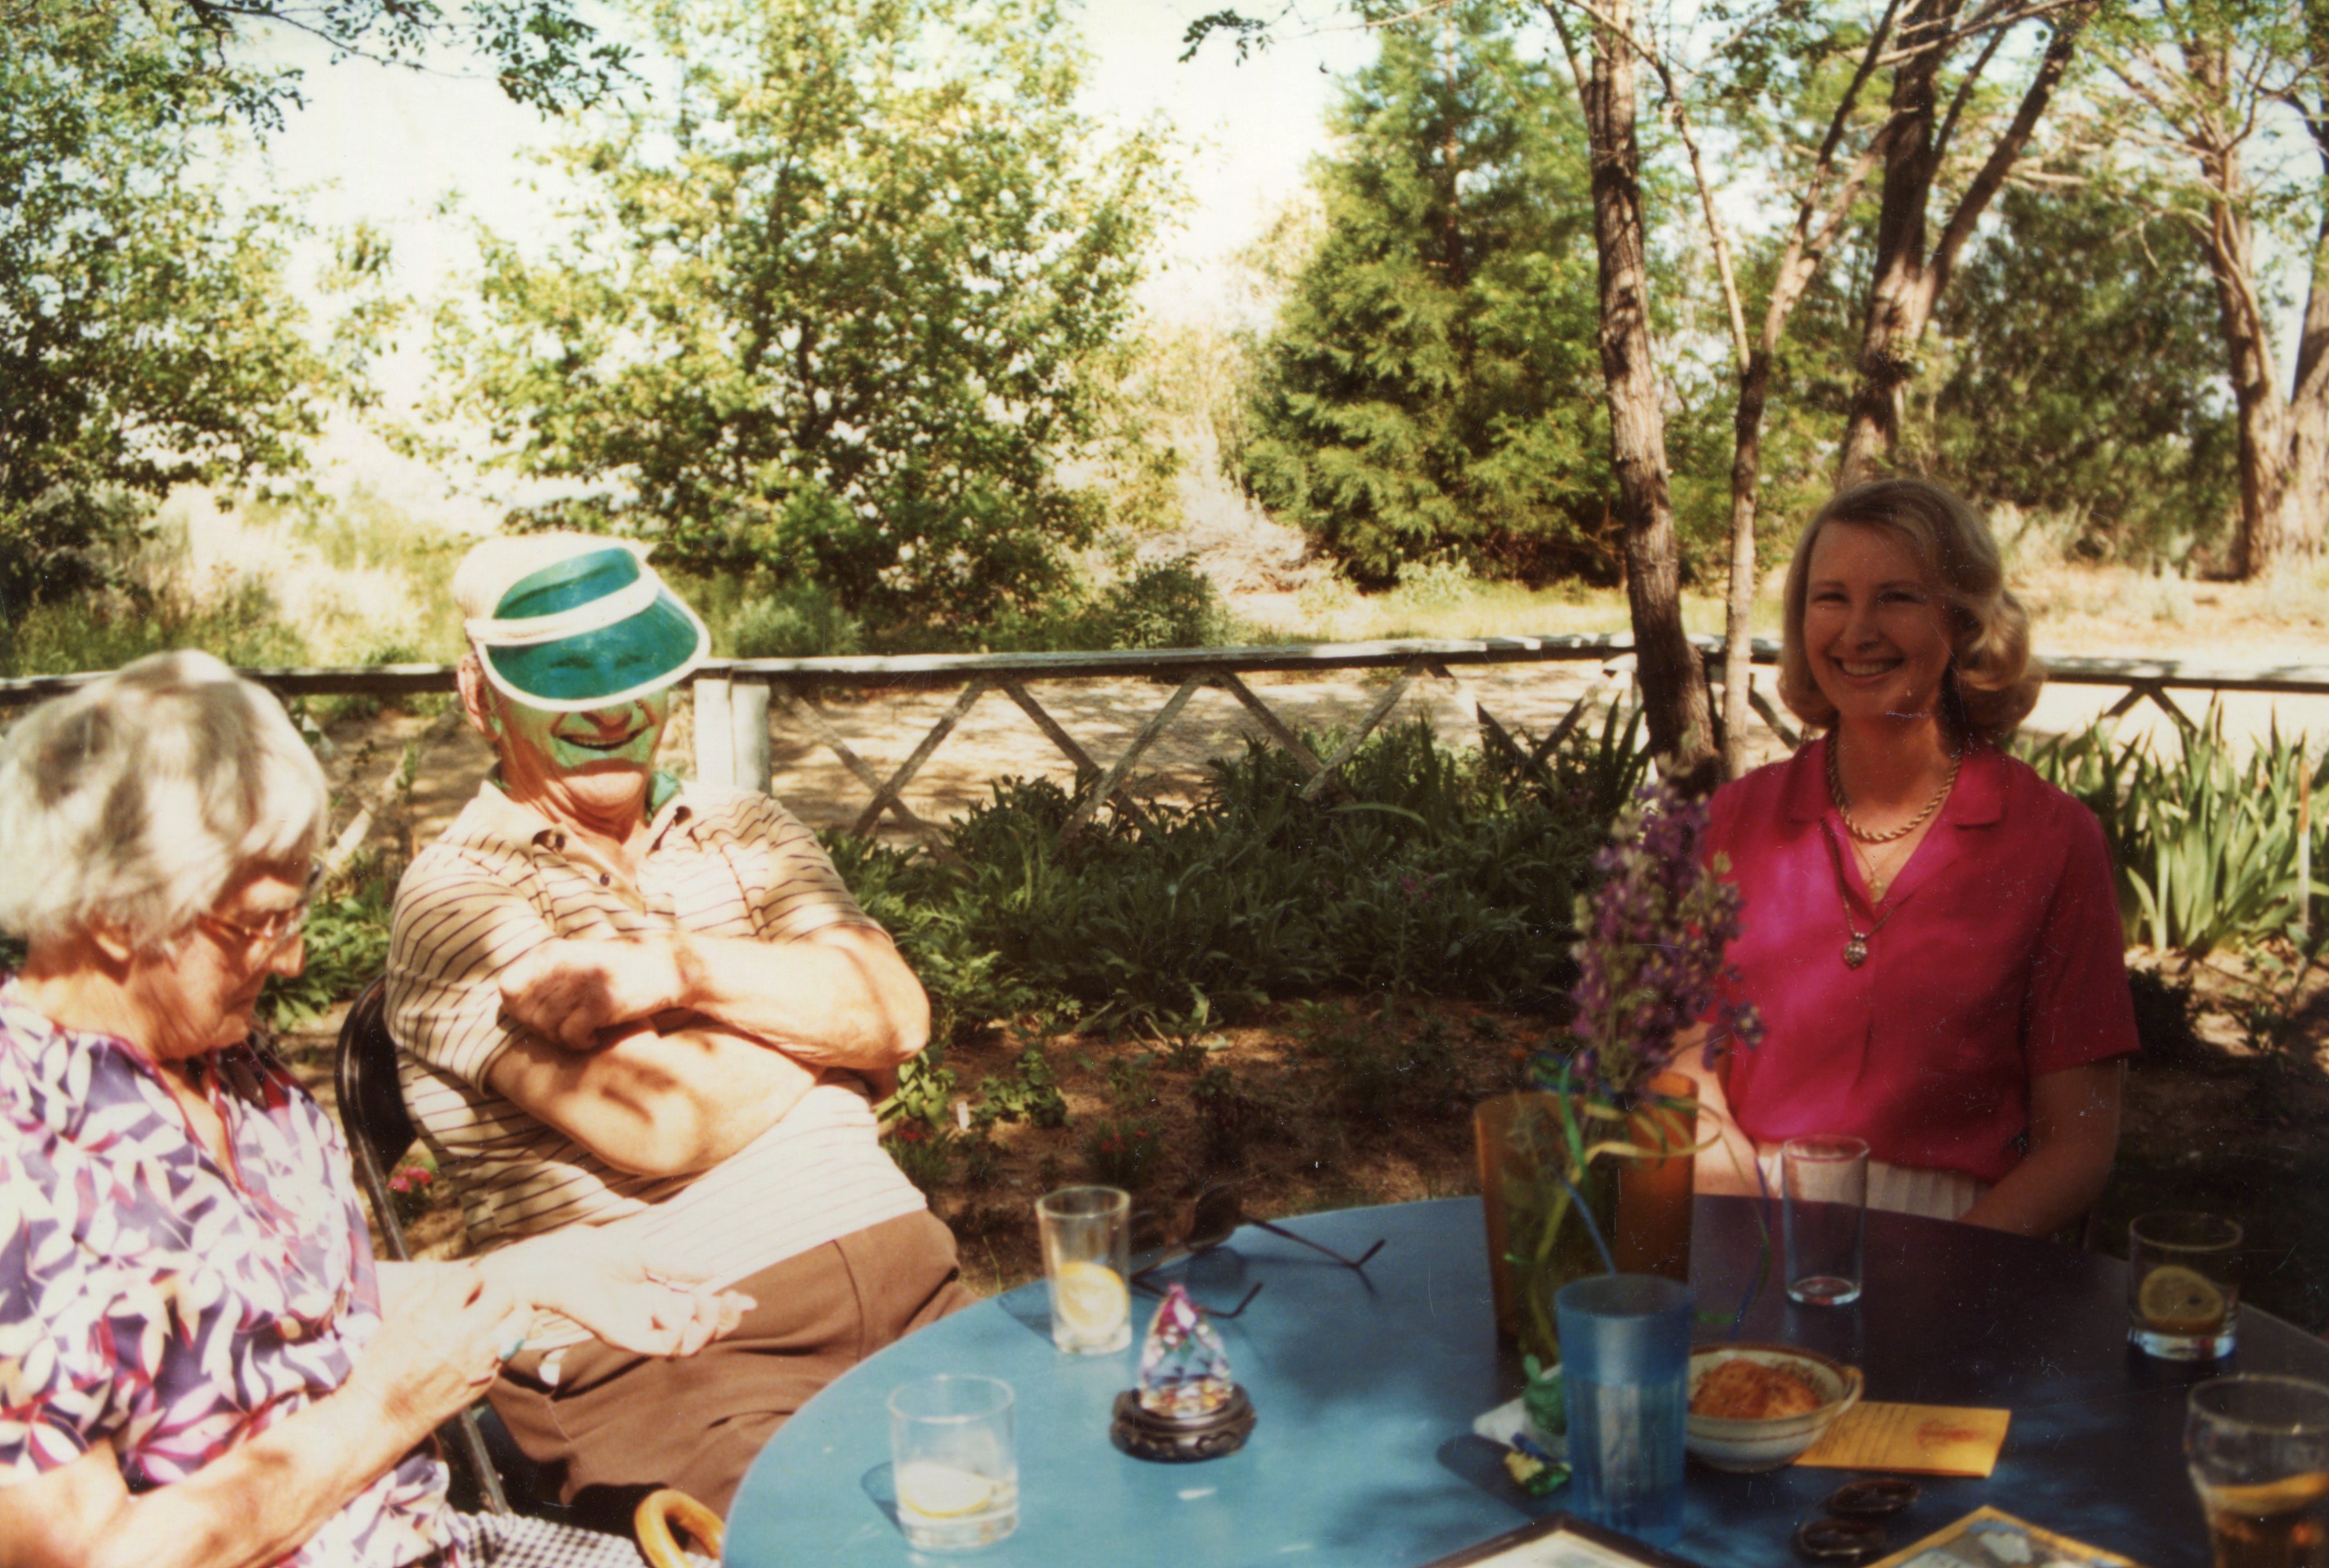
x,y
1916,1440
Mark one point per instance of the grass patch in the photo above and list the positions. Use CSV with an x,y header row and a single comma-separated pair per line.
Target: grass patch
x,y
241,625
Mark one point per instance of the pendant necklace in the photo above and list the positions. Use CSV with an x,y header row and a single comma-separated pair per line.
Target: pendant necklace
x,y
1855,945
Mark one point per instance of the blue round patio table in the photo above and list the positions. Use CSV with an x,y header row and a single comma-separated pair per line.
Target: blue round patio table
x,y
1366,1384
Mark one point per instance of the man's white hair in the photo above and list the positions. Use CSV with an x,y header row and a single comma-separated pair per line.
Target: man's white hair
x,y
137,800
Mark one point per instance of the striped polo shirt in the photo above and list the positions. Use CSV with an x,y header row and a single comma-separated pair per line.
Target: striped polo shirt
x,y
504,878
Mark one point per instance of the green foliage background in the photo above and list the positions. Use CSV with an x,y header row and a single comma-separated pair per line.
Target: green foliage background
x,y
2078,374
1431,386
148,334
837,309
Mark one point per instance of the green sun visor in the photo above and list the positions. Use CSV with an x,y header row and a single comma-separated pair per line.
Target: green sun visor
x,y
589,633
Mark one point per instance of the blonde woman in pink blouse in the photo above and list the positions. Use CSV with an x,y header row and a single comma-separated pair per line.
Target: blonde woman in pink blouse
x,y
1930,933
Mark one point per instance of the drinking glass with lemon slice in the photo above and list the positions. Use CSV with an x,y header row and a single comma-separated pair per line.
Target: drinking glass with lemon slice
x,y
2182,1285
1087,1260
955,1462
2258,1450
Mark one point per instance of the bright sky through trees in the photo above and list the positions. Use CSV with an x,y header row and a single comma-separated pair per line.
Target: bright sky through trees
x,y
386,145
390,147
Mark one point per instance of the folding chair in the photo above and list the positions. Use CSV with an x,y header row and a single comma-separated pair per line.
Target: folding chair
x,y
379,1130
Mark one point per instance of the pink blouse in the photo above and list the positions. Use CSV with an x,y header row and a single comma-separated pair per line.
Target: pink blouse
x,y
2000,960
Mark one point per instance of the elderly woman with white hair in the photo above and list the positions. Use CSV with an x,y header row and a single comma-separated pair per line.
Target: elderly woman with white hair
x,y
200,1362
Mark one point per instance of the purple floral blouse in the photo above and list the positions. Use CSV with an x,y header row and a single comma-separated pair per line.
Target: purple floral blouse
x,y
150,1299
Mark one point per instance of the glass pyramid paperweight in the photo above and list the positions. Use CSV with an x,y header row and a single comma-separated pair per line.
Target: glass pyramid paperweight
x,y
1186,1407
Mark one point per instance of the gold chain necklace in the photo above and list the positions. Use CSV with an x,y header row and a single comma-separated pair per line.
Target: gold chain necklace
x,y
1843,806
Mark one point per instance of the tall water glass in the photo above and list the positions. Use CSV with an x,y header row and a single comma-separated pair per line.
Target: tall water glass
x,y
954,1460
2258,1449
1087,1234
1625,1368
1826,1217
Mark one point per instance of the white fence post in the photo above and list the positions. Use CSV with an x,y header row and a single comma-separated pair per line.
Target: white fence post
x,y
715,733
748,702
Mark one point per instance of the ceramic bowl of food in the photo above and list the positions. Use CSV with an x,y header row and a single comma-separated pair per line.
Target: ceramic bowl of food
x,y
1755,1407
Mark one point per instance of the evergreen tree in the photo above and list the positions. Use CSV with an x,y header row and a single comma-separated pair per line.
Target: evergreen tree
x,y
1430,387
2084,373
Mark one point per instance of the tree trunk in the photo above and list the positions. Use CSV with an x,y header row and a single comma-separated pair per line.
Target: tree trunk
x,y
1672,674
1897,308
2292,518
1909,284
2284,437
2270,528
1745,482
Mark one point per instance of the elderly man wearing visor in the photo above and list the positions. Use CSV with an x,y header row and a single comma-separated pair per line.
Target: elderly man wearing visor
x,y
615,994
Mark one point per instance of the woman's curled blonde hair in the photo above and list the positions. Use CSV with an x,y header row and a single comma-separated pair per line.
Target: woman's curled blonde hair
x,y
1993,682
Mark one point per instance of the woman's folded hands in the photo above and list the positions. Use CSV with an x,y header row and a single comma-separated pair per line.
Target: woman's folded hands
x,y
445,1330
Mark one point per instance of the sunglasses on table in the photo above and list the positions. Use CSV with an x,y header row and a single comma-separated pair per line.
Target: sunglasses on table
x,y
1849,1529
1214,1217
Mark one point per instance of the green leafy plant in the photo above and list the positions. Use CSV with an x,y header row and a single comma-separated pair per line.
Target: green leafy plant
x,y
1165,604
926,1086
1029,1094
2204,841
924,1155
1132,1082
1184,1056
1439,872
347,940
801,621
1123,1151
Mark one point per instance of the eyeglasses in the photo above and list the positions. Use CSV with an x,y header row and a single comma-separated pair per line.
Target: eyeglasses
x,y
1217,1213
267,937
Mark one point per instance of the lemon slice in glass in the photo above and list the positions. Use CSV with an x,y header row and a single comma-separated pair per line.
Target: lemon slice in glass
x,y
1090,1299
935,1490
2175,1300
2267,1499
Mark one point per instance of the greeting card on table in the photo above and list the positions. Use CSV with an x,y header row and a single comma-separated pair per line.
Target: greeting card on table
x,y
1987,1538
1916,1440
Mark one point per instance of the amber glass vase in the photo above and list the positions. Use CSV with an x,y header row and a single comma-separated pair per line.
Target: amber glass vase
x,y
1532,1184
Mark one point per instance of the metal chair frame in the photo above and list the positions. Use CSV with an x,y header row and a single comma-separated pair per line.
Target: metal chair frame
x,y
379,1131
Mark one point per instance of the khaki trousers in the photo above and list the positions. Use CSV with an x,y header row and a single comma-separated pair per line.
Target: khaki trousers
x,y
618,1425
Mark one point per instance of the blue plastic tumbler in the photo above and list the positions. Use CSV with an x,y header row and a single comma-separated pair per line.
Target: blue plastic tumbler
x,y
1624,1366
